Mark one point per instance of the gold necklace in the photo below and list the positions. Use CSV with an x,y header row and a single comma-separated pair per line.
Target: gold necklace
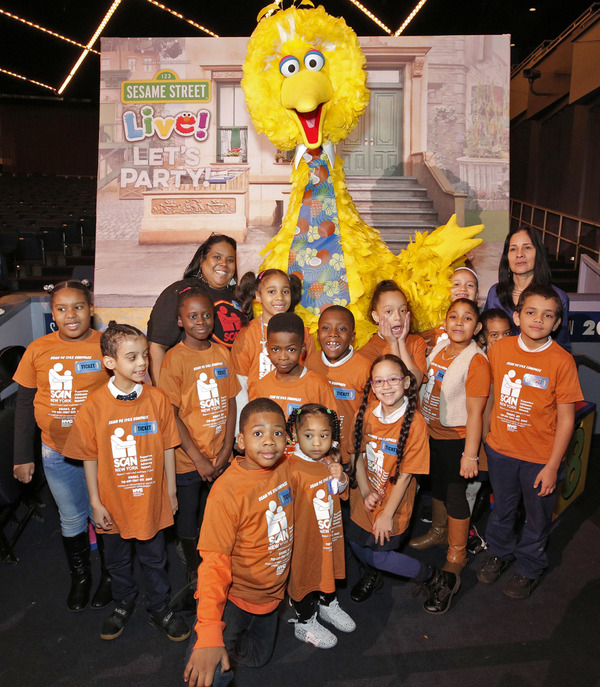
x,y
444,355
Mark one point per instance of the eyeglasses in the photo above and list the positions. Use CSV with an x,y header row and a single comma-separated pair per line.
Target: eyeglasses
x,y
392,381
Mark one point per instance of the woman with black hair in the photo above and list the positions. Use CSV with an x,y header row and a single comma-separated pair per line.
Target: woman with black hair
x,y
214,268
523,263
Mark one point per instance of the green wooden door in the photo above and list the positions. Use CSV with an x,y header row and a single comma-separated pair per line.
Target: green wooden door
x,y
374,148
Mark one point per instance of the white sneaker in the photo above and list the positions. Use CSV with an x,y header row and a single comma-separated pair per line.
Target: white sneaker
x,y
312,632
334,615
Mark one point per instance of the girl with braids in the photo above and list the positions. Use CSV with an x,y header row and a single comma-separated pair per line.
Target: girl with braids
x,y
318,558
391,447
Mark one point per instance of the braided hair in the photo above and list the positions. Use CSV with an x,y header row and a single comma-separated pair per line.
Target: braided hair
x,y
245,291
298,416
411,395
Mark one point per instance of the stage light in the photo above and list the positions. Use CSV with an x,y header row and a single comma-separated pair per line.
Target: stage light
x,y
41,28
180,16
371,16
410,17
24,78
91,42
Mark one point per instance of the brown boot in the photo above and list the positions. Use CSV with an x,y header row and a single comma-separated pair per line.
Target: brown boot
x,y
438,533
458,534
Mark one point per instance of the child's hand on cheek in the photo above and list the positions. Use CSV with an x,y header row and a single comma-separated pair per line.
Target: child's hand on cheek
x,y
405,328
385,329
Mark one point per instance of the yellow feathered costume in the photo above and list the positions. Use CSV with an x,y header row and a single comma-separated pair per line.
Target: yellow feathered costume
x,y
305,85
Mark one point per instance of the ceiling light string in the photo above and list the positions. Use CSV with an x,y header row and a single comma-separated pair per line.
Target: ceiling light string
x,y
410,17
24,78
180,16
41,28
371,16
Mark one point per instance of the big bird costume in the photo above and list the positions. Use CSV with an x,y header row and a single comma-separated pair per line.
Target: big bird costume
x,y
305,87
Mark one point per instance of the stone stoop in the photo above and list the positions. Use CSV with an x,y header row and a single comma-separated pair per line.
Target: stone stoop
x,y
395,206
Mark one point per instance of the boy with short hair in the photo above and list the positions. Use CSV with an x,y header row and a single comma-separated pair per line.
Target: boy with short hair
x,y
290,384
532,406
125,433
246,545
344,368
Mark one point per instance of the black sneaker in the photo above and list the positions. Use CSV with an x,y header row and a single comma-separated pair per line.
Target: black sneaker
x,y
492,568
441,587
173,625
114,625
519,586
368,583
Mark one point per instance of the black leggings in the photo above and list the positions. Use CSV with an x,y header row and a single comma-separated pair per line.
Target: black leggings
x,y
306,607
446,483
192,491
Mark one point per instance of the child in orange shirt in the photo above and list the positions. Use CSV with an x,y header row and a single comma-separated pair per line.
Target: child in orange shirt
x,y
391,448
55,376
532,413
197,376
318,556
389,310
452,403
246,545
290,384
345,369
125,433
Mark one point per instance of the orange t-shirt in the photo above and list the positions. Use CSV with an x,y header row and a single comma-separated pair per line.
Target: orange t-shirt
x,y
318,557
129,440
477,384
309,388
528,385
246,545
64,374
415,345
250,351
347,382
200,384
380,441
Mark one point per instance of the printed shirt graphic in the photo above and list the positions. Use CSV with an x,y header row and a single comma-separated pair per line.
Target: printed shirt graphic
x,y
310,388
200,384
128,439
249,517
415,344
250,354
64,374
318,556
379,443
527,388
347,382
477,384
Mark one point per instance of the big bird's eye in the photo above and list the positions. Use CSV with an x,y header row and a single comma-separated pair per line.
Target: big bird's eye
x,y
289,65
314,60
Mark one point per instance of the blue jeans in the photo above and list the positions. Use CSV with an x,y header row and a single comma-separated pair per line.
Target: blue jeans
x,y
66,480
512,479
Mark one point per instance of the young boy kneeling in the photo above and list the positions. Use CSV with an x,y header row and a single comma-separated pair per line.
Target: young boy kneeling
x,y
245,544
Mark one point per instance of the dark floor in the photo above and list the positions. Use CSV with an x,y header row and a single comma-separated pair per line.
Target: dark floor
x,y
486,640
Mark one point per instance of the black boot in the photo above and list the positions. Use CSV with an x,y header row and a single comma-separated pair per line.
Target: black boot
x,y
441,586
103,594
77,549
368,583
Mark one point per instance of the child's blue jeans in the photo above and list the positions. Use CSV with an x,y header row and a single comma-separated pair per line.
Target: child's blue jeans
x,y
512,479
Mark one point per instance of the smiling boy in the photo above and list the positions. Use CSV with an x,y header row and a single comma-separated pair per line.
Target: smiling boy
x,y
290,384
532,411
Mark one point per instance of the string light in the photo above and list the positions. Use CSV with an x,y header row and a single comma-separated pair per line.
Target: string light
x,y
371,16
41,28
410,17
91,42
24,78
180,16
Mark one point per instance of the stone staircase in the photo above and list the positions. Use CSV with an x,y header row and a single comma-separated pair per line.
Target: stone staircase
x,y
396,206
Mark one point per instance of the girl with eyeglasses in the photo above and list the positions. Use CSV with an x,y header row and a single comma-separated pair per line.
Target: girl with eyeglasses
x,y
391,447
452,402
